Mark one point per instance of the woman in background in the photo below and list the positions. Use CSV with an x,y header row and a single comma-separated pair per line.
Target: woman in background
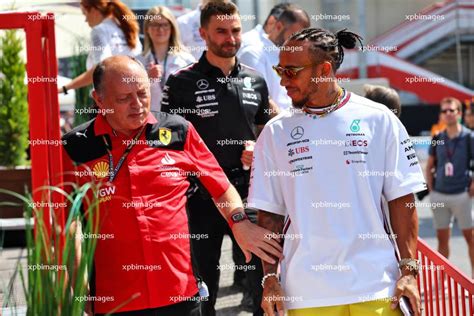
x,y
114,32
163,53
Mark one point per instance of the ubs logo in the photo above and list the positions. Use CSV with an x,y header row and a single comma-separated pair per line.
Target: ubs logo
x,y
298,150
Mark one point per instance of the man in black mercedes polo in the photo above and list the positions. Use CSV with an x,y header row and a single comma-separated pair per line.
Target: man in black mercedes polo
x,y
228,104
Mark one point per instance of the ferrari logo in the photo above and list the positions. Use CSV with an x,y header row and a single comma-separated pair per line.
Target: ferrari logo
x,y
165,135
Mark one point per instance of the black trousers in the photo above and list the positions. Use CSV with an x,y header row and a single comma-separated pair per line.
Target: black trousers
x,y
205,218
186,308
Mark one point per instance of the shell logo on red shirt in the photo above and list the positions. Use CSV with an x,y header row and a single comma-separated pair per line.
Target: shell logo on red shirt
x,y
101,169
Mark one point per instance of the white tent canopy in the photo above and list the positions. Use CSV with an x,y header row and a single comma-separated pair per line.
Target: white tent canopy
x,y
71,30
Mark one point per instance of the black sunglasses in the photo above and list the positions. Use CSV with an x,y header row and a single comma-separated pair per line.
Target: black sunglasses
x,y
449,110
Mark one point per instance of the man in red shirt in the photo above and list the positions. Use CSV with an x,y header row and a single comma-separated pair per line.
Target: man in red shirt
x,y
142,164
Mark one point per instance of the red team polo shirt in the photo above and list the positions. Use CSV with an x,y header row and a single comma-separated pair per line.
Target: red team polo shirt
x,y
144,246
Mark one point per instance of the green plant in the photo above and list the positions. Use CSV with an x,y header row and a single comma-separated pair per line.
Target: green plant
x,y
55,279
13,102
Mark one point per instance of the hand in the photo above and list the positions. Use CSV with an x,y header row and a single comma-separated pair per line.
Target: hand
x,y
155,71
471,189
255,239
406,286
429,184
247,154
88,309
273,297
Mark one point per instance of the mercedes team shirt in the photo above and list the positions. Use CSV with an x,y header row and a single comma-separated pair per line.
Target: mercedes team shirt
x,y
142,212
224,109
327,177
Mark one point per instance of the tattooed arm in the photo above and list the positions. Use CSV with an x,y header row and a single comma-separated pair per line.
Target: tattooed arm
x,y
272,291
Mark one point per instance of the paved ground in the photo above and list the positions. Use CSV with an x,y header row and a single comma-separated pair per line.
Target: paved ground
x,y
229,301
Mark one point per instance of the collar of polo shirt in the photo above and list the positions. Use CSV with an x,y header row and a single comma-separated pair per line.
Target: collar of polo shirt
x,y
212,71
101,125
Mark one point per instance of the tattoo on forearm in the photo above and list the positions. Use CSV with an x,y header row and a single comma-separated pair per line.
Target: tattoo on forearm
x,y
274,223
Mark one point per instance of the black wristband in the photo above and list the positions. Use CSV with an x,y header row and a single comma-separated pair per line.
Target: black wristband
x,y
64,89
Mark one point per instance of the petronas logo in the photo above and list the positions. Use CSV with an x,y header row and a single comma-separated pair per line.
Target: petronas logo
x,y
355,126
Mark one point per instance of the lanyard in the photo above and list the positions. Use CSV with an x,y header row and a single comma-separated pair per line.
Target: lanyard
x,y
113,172
449,152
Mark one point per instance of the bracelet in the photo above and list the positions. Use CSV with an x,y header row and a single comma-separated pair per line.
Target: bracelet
x,y
64,89
410,264
266,276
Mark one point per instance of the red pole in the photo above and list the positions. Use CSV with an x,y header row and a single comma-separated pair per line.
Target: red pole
x,y
53,127
37,109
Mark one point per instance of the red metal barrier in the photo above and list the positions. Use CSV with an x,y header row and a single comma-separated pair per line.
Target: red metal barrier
x,y
445,290
43,105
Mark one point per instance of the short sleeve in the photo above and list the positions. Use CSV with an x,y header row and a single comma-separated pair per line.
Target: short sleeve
x,y
471,140
433,144
248,56
265,192
401,163
263,113
208,171
169,102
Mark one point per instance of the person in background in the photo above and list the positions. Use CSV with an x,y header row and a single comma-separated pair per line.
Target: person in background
x,y
259,30
163,53
228,104
386,96
189,25
469,118
114,32
261,53
449,178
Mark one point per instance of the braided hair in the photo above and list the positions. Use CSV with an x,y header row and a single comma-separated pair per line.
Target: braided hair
x,y
326,45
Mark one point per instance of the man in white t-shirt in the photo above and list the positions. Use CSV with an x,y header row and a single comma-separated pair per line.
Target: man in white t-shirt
x,y
319,174
261,52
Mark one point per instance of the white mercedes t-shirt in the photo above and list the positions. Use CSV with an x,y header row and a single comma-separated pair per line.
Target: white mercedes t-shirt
x,y
327,176
108,40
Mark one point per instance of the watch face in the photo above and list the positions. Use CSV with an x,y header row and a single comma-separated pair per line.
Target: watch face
x,y
237,217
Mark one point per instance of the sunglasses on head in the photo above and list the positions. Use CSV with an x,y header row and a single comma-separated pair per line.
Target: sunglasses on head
x,y
449,110
289,72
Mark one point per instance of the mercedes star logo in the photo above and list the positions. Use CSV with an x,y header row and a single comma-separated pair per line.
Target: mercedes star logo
x,y
297,132
202,84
